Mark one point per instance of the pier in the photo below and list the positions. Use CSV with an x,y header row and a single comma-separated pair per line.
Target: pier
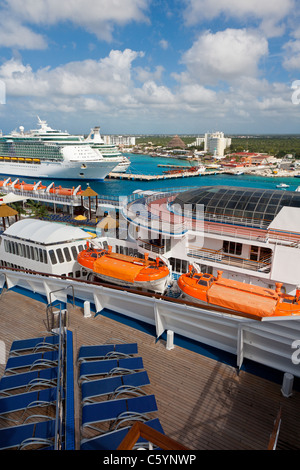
x,y
140,177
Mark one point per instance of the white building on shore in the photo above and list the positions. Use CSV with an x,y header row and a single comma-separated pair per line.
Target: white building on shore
x,y
216,143
120,140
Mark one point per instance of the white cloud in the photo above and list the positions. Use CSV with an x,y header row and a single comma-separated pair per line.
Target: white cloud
x,y
151,93
145,74
98,17
164,44
110,75
225,55
14,34
291,60
269,12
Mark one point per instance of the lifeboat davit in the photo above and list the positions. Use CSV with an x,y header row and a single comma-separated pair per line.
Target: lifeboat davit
x,y
238,297
125,270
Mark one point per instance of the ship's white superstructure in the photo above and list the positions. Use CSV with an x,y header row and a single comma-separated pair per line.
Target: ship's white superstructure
x,y
44,247
258,247
108,150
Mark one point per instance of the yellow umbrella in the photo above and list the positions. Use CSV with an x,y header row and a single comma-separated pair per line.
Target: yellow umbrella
x,y
80,217
108,223
6,211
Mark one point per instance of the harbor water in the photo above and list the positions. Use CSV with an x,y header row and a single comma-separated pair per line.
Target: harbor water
x,y
147,165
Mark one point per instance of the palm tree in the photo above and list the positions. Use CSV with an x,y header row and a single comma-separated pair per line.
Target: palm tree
x,y
37,209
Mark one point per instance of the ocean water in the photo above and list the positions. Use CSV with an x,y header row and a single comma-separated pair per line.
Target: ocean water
x,y
144,164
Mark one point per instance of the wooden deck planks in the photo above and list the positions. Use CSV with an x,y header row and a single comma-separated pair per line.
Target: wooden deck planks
x,y
202,403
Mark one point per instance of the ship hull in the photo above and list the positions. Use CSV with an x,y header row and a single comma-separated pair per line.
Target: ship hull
x,y
59,170
158,285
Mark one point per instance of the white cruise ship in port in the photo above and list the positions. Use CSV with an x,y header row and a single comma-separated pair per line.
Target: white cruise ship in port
x,y
108,150
49,153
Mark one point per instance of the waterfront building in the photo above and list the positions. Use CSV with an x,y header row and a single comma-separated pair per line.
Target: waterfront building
x,y
119,140
216,143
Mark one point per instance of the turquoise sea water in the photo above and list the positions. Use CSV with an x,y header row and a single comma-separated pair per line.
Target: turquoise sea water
x,y
144,164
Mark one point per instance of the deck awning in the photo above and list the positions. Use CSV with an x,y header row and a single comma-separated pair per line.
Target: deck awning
x,y
10,198
287,220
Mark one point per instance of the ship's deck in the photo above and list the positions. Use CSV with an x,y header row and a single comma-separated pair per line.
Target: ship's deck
x,y
202,403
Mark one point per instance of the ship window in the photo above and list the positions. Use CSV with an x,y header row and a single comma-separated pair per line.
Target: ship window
x,y
77,273
12,248
45,256
6,246
41,255
27,251
80,248
36,254
60,255
31,253
202,282
52,257
74,252
67,254
232,248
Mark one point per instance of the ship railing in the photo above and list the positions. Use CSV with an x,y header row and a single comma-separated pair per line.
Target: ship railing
x,y
44,196
283,238
159,249
218,256
140,215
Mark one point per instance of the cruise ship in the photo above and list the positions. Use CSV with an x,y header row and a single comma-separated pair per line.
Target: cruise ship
x,y
108,150
251,235
50,153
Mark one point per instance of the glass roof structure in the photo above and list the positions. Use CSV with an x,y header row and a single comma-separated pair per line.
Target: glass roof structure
x,y
249,206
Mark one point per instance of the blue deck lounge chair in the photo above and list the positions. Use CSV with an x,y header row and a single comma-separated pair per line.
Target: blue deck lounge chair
x,y
120,410
109,366
44,377
105,351
48,358
23,401
112,440
114,386
34,344
34,433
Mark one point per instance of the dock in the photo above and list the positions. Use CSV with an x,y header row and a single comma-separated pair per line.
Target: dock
x,y
140,177
202,403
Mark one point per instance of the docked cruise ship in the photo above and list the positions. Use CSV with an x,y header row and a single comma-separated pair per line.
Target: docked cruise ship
x,y
50,153
108,150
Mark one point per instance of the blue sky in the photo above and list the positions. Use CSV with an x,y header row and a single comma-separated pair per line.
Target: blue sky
x,y
151,66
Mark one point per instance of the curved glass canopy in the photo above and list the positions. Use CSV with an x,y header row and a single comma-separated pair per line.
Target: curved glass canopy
x,y
251,205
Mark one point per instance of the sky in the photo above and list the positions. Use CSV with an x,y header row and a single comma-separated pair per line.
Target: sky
x,y
151,66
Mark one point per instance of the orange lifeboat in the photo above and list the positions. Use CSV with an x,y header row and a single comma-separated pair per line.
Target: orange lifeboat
x,y
64,191
7,184
28,186
125,270
237,297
